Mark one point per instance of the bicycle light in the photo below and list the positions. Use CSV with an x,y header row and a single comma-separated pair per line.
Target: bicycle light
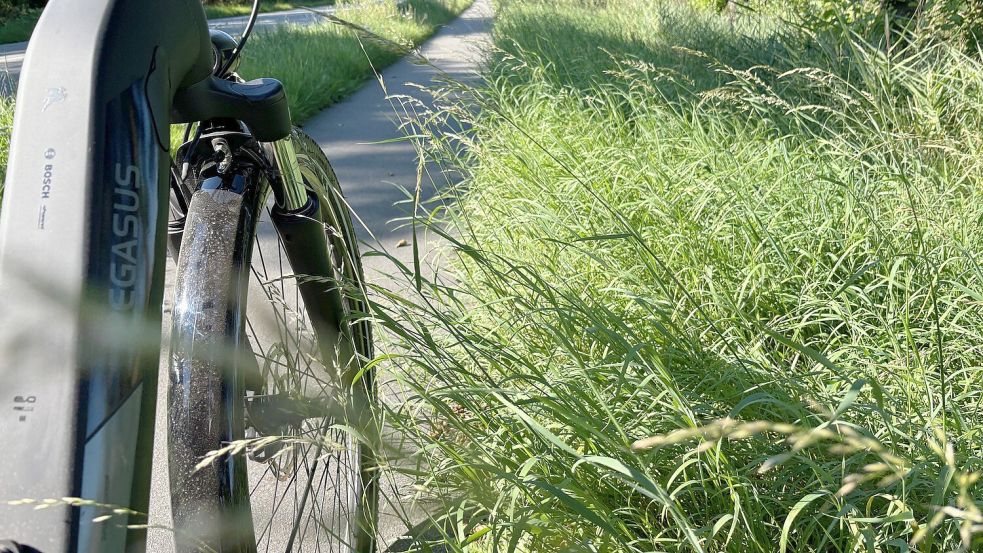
x,y
224,46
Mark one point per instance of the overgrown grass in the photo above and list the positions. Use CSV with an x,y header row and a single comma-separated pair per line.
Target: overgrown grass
x,y
717,288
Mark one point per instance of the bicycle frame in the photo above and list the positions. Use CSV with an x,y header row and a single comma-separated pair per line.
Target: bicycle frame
x,y
82,257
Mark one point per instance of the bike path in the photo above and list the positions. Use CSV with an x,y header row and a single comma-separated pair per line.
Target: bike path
x,y
362,134
361,138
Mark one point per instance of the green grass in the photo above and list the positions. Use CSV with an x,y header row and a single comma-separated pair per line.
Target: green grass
x,y
6,125
717,287
216,11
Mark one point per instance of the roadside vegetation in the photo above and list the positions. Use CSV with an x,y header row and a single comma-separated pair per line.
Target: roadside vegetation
x,y
233,8
6,124
17,24
714,285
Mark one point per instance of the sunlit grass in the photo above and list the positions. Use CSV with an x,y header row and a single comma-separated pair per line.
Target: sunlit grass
x,y
717,288
6,125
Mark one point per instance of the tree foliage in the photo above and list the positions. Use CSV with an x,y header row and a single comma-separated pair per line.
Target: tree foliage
x,y
887,21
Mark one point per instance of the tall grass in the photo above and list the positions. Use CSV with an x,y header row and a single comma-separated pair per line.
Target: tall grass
x,y
715,287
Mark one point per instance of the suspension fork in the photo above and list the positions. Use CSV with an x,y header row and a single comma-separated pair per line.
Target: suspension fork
x,y
299,220
289,189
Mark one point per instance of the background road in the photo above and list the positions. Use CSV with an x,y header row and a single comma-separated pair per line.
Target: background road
x,y
372,173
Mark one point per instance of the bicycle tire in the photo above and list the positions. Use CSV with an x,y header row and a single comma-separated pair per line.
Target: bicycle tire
x,y
224,379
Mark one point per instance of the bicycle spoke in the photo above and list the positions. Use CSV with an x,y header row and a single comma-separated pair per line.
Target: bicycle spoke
x,y
309,488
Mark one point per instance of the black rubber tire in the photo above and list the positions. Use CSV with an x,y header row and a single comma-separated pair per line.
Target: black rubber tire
x,y
217,359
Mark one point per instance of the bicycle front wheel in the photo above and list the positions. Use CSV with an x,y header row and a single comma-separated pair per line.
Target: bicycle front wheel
x,y
270,409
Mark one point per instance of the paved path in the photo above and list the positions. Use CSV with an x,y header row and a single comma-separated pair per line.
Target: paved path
x,y
12,55
373,174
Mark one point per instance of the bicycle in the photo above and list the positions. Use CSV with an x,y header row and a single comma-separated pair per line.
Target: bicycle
x,y
93,203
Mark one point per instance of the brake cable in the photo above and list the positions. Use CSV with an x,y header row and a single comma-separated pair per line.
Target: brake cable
x,y
253,16
245,36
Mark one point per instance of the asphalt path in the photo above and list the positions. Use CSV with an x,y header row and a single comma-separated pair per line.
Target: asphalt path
x,y
12,55
377,170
